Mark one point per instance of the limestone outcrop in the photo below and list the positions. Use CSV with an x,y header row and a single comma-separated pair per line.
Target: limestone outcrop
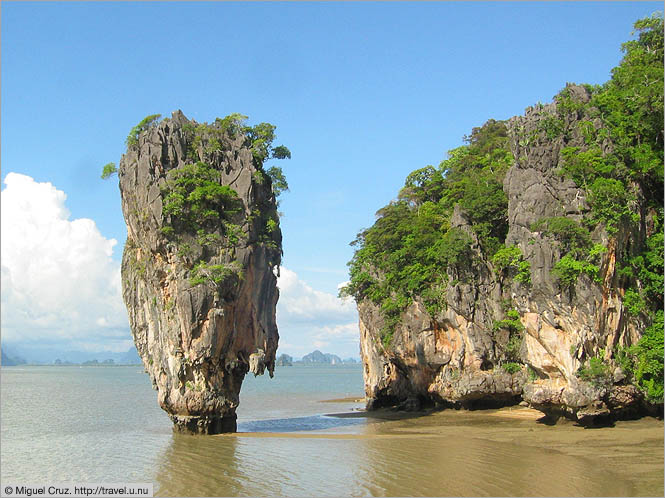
x,y
448,358
453,356
199,266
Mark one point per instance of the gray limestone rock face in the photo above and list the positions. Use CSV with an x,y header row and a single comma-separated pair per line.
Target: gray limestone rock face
x,y
564,327
201,299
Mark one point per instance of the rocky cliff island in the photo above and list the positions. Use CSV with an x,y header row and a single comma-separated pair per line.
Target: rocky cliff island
x,y
528,266
199,266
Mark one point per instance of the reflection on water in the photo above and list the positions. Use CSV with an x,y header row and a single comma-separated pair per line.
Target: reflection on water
x,y
444,454
79,424
200,466
72,424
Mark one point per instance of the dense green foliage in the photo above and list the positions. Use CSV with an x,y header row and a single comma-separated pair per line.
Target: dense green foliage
x,y
511,323
197,204
643,361
631,106
412,250
108,170
568,269
627,179
511,351
573,238
203,216
194,201
511,367
579,253
647,355
624,183
193,195
279,183
596,371
509,262
213,274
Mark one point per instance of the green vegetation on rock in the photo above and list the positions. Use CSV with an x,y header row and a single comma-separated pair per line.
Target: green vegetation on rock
x,y
512,322
197,204
412,250
213,274
446,219
643,362
511,367
511,350
202,217
108,170
596,371
622,172
509,262
195,200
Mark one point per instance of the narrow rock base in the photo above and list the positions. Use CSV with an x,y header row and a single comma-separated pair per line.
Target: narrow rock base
x,y
204,425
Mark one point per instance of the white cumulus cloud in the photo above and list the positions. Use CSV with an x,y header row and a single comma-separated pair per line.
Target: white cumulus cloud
x,y
298,301
61,285
310,319
59,281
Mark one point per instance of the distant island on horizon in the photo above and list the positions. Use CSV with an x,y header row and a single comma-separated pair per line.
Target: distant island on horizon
x,y
130,357
64,358
316,357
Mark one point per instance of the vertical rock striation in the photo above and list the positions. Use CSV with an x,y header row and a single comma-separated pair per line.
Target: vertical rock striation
x,y
564,326
198,269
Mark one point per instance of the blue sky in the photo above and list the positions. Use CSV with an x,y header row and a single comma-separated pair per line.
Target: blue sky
x,y
362,94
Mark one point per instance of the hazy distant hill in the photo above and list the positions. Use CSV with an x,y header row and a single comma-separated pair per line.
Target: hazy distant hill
x,y
324,358
8,361
284,360
131,357
36,355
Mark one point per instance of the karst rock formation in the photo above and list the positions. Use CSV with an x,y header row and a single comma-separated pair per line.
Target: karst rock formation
x,y
199,266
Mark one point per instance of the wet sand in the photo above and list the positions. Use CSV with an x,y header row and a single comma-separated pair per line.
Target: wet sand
x,y
517,412
509,451
352,399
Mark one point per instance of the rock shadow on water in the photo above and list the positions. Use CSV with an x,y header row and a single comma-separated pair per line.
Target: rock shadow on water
x,y
299,424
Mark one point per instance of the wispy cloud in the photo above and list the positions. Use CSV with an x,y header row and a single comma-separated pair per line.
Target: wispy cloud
x,y
345,337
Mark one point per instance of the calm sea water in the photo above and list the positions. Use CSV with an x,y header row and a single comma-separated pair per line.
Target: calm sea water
x,y
102,424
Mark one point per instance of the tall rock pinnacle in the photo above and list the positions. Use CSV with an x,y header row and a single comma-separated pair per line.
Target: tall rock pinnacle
x,y
200,263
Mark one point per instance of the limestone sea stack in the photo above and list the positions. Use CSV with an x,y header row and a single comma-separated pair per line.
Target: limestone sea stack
x,y
200,263
518,325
